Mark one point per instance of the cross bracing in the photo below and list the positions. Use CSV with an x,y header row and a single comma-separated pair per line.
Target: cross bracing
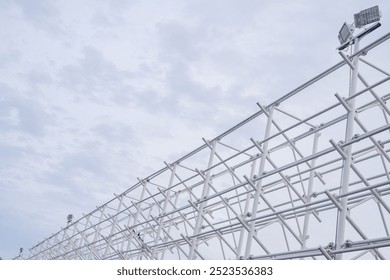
x,y
282,184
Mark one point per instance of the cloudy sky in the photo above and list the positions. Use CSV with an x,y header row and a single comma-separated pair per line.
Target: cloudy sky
x,y
96,93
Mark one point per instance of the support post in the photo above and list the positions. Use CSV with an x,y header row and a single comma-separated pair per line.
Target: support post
x,y
309,192
258,185
205,193
342,214
164,210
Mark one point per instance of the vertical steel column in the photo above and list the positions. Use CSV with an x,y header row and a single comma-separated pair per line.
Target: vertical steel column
x,y
342,215
248,196
164,210
97,231
167,231
205,192
114,223
309,192
136,215
258,185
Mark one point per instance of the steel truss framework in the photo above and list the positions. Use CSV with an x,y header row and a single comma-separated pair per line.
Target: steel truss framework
x,y
275,186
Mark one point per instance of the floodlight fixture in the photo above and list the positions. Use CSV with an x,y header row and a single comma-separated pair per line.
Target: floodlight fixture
x,y
70,218
367,16
345,33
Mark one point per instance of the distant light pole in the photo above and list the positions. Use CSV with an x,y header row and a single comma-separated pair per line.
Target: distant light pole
x,y
346,38
69,219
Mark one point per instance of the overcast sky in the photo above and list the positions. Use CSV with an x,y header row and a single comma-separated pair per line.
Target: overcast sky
x,y
95,93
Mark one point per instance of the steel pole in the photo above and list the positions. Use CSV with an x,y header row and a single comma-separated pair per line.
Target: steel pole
x,y
256,198
342,215
205,193
309,193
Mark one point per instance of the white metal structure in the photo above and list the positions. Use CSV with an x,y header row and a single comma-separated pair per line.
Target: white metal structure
x,y
313,184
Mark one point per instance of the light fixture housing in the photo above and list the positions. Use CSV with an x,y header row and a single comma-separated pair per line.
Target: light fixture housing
x,y
345,33
367,16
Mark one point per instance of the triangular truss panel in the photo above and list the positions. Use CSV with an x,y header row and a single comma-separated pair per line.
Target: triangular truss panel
x,y
282,184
